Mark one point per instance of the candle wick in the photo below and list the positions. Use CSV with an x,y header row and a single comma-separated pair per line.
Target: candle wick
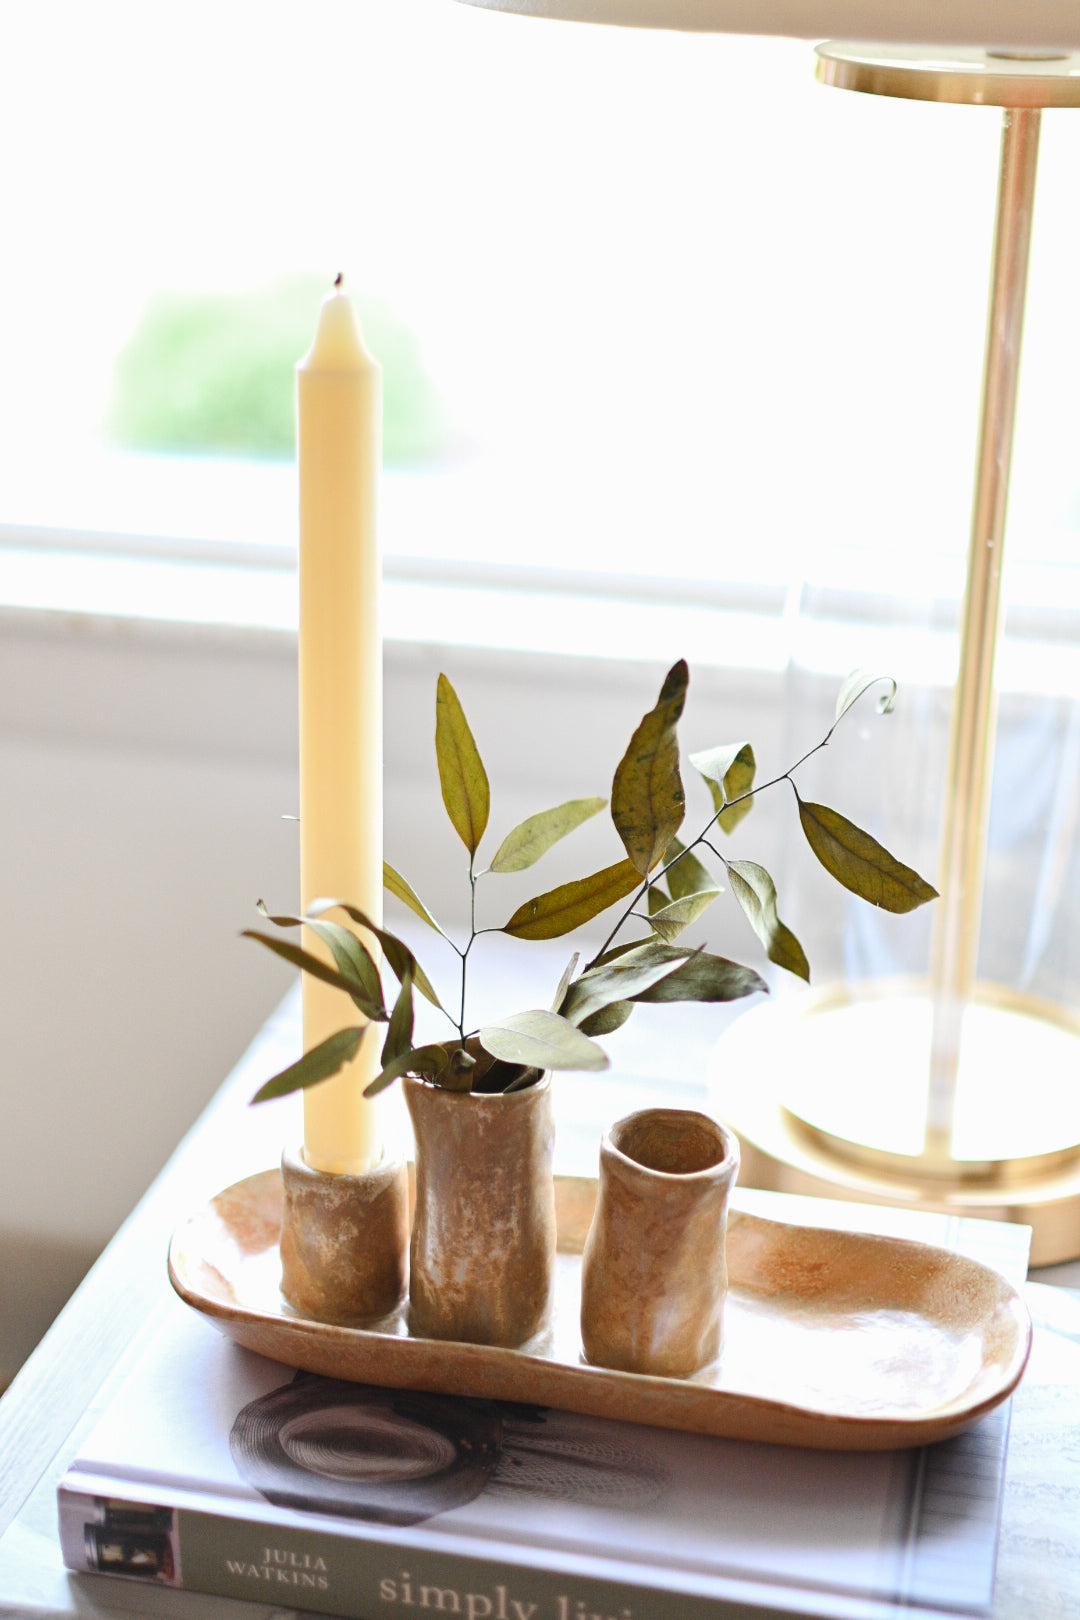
x,y
338,279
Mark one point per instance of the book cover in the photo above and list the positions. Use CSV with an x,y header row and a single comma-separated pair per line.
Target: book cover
x,y
216,1470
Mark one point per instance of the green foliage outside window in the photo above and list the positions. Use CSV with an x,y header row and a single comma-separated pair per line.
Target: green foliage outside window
x,y
212,374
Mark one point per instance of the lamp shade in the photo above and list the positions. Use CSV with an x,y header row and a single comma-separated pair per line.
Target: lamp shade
x,y
1041,25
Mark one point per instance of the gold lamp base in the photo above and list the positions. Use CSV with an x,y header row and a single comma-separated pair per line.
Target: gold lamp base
x,y
823,1094
836,1099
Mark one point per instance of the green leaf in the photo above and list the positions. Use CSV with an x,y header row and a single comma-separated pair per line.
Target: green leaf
x,y
430,1061
564,982
755,891
649,949
461,771
616,981
320,1063
353,959
860,681
397,953
318,969
399,1031
670,922
534,837
684,873
706,978
647,799
542,1040
520,1080
608,1019
561,910
351,956
403,891
729,774
860,863
656,899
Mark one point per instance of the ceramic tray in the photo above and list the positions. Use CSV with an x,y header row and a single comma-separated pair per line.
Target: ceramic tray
x,y
832,1339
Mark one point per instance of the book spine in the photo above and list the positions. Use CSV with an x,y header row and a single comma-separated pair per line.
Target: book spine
x,y
360,1579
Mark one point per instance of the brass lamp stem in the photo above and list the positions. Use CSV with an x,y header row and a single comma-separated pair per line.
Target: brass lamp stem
x,y
967,804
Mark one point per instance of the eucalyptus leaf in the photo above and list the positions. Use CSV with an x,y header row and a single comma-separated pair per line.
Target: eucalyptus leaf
x,y
535,836
404,891
318,969
755,891
608,1019
542,1040
617,981
684,873
737,784
860,681
860,863
399,1032
506,1077
729,775
462,776
396,952
647,798
706,978
319,1064
561,910
462,1070
670,922
650,942
656,899
527,1077
564,982
430,1061
351,956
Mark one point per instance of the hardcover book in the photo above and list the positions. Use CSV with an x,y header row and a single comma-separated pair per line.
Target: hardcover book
x,y
218,1471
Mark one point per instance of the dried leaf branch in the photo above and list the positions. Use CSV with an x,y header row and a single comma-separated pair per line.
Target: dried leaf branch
x,y
659,872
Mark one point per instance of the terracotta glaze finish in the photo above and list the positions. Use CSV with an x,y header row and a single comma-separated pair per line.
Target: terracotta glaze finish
x,y
654,1272
838,1340
344,1241
482,1256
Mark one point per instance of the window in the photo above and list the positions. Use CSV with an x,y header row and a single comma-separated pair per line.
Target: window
x,y
667,308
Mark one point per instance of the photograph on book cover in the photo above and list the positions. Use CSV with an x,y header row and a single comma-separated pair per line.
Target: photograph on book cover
x,y
214,1469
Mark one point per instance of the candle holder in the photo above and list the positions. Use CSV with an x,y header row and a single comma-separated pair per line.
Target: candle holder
x,y
344,1240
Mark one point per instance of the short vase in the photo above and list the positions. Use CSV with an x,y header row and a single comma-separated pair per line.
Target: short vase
x,y
482,1254
654,1268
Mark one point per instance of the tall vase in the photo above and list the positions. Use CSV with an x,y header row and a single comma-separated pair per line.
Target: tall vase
x,y
654,1268
482,1256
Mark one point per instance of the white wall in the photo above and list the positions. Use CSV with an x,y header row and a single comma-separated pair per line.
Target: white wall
x,y
144,773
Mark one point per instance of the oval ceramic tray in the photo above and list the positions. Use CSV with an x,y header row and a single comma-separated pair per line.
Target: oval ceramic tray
x,y
834,1339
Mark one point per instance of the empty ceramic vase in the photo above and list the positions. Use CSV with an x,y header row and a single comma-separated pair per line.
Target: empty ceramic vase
x,y
654,1272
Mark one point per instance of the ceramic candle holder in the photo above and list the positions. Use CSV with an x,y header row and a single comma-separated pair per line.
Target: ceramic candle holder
x,y
654,1270
344,1241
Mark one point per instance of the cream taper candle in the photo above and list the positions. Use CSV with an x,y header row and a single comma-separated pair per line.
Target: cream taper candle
x,y
339,449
